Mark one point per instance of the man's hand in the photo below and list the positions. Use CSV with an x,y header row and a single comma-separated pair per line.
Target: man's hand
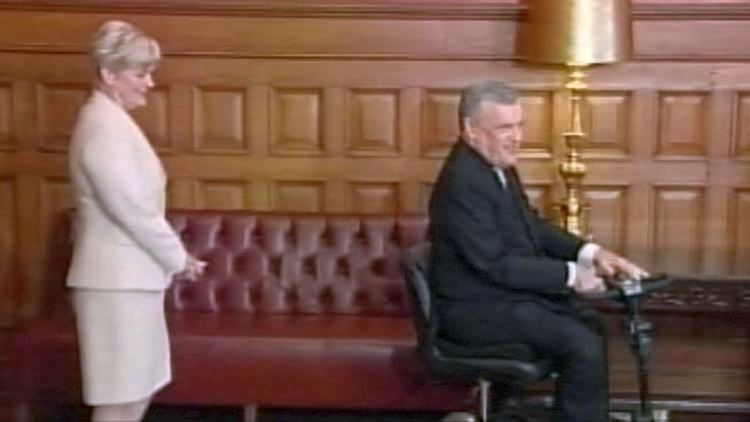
x,y
610,265
588,282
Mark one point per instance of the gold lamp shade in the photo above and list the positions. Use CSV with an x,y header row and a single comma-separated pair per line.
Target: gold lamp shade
x,y
576,32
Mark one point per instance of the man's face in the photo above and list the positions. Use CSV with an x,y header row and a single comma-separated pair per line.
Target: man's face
x,y
495,132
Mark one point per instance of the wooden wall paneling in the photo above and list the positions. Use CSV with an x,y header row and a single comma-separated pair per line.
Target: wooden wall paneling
x,y
220,122
24,115
717,244
303,196
439,121
334,127
682,124
155,118
42,213
410,130
180,193
643,129
298,122
673,38
607,216
373,122
8,248
30,242
606,122
179,118
721,130
55,198
738,230
222,194
410,121
373,197
57,108
538,132
7,139
478,29
336,196
741,124
678,228
410,197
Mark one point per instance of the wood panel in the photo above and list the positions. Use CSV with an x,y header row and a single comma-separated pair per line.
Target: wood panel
x,y
351,107
220,119
440,121
738,230
678,219
8,246
154,118
682,124
222,194
57,107
304,196
298,125
606,120
607,215
6,119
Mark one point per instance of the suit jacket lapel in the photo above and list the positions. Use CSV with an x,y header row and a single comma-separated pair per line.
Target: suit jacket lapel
x,y
521,201
512,193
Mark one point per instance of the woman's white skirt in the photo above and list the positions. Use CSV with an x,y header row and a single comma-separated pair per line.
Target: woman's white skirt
x,y
123,344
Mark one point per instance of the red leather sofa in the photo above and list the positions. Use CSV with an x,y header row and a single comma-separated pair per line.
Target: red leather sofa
x,y
294,310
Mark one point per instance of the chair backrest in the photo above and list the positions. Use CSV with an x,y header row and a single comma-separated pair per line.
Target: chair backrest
x,y
416,267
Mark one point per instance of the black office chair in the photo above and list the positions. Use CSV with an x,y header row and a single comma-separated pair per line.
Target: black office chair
x,y
506,367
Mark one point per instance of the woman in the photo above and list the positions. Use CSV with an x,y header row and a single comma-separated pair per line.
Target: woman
x,y
125,252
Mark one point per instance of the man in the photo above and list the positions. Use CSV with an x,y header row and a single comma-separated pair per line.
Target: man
x,y
503,275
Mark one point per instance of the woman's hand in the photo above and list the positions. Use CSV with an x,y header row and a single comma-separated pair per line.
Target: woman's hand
x,y
194,268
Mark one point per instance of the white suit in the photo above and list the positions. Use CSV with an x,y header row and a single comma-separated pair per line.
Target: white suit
x,y
122,240
124,255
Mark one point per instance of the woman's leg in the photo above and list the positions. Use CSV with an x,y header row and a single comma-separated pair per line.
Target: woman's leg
x,y
125,412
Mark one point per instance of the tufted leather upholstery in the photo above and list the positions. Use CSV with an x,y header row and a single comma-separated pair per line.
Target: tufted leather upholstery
x,y
294,310
295,264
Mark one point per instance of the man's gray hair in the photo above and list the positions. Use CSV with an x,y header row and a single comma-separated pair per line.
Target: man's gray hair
x,y
473,95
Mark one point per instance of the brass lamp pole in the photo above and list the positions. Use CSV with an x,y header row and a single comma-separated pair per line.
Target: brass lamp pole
x,y
577,34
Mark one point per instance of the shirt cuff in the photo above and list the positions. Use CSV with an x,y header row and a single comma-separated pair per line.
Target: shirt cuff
x,y
572,272
586,254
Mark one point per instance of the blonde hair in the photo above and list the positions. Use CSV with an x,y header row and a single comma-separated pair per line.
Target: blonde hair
x,y
118,45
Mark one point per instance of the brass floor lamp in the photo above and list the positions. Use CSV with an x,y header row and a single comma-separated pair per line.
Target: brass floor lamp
x,y
575,34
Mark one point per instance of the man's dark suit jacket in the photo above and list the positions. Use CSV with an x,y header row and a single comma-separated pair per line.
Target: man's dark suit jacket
x,y
491,252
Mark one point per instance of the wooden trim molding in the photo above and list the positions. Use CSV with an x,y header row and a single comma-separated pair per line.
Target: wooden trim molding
x,y
692,11
699,295
434,9
411,9
438,30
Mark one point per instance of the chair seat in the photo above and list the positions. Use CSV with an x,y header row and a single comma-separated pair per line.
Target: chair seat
x,y
509,366
502,368
511,351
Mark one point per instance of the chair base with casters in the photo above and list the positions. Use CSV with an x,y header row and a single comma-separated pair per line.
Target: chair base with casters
x,y
508,367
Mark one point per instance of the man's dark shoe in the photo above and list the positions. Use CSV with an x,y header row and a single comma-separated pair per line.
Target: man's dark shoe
x,y
511,417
